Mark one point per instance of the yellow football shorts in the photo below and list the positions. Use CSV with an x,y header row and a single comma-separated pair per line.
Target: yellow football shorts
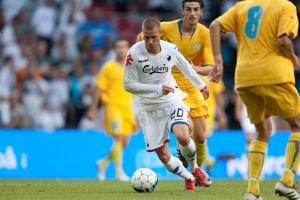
x,y
266,100
195,101
119,120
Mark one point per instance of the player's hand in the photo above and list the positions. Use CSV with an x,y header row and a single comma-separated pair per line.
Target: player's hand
x,y
167,89
217,71
205,92
91,114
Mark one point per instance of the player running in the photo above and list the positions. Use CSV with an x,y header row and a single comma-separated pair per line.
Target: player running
x,y
160,108
192,39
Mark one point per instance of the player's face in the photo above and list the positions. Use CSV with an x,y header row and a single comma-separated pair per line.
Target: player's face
x,y
121,48
191,12
152,40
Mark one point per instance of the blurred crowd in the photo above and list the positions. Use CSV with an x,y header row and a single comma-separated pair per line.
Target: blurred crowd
x,y
52,51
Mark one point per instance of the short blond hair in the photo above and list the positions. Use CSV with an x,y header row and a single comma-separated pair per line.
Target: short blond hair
x,y
151,23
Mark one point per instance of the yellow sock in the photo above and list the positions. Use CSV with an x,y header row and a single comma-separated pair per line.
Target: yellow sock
x,y
201,153
292,159
116,152
256,158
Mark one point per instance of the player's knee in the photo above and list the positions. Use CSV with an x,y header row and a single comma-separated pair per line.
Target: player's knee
x,y
294,123
200,136
124,141
264,134
184,139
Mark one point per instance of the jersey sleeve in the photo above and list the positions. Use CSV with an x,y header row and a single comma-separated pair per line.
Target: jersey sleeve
x,y
288,22
207,51
228,20
132,84
184,66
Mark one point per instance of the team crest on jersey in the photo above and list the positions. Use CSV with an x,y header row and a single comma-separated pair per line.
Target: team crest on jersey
x,y
128,60
169,58
197,46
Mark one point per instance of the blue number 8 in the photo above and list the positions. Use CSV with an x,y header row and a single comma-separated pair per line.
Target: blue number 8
x,y
254,15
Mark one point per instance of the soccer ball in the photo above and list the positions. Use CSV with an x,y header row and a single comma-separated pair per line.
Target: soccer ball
x,y
144,180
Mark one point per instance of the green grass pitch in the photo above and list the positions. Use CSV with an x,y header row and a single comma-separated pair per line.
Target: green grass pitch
x,y
94,190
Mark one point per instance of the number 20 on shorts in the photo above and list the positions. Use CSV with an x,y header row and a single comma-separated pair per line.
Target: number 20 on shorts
x,y
254,15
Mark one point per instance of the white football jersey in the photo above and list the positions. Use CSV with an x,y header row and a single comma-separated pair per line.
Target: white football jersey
x,y
145,74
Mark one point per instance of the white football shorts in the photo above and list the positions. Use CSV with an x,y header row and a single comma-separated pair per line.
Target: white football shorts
x,y
157,123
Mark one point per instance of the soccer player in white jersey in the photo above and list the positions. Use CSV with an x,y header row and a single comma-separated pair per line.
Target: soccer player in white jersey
x,y
160,108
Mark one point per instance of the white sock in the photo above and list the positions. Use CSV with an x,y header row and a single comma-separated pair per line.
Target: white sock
x,y
175,166
189,153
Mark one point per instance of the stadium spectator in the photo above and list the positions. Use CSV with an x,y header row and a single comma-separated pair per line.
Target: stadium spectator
x,y
8,83
76,110
58,96
34,87
100,30
44,21
18,115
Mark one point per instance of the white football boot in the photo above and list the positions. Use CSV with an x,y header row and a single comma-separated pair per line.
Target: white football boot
x,y
250,196
288,192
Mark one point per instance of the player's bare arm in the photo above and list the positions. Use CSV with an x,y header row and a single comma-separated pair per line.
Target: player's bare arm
x,y
203,70
167,89
215,36
286,47
92,112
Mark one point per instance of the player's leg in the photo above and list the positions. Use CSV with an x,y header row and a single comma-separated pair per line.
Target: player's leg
x,y
253,98
256,155
118,158
175,166
199,136
209,122
127,127
114,126
114,155
178,146
286,186
179,126
283,100
198,110
187,145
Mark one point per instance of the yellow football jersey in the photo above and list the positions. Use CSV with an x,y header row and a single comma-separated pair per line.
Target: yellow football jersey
x,y
110,82
257,24
195,48
214,88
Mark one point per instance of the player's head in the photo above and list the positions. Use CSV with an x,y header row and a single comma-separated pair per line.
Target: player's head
x,y
121,46
192,11
152,33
